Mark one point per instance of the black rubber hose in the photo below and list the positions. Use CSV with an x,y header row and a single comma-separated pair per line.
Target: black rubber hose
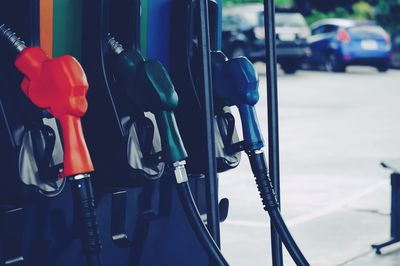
x,y
83,197
93,259
198,226
267,194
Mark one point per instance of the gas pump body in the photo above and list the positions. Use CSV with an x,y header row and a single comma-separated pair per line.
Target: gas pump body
x,y
115,126
30,136
185,74
153,217
31,195
148,215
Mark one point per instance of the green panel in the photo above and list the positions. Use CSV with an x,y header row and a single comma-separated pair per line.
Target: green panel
x,y
67,27
143,27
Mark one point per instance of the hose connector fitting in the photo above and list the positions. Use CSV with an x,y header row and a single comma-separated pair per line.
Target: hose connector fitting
x,y
12,38
114,45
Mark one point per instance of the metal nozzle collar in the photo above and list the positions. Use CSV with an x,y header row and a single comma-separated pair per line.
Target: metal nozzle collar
x,y
80,176
115,46
180,172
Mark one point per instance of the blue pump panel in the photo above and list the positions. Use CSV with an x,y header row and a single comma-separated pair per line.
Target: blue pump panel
x,y
158,30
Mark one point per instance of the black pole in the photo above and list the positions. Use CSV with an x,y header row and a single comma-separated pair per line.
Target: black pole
x,y
273,132
211,171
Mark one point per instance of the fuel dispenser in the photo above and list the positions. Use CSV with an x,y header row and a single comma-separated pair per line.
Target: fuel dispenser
x,y
234,83
190,71
132,104
147,202
186,74
31,132
148,85
31,150
122,139
59,86
129,136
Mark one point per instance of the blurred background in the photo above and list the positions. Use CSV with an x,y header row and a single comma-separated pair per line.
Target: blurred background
x,y
329,34
339,106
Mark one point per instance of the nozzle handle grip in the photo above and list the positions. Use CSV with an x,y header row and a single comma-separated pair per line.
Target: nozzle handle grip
x,y
171,141
76,154
251,129
155,92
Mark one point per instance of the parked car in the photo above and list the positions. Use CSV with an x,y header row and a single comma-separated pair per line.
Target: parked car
x,y
243,34
396,50
338,43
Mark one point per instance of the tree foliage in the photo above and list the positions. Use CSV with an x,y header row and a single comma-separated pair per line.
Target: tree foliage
x,y
387,13
280,3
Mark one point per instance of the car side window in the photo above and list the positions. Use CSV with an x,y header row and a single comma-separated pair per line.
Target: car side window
x,y
324,29
318,30
330,28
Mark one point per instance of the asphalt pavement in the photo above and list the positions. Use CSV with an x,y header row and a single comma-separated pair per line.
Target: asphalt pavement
x,y
335,129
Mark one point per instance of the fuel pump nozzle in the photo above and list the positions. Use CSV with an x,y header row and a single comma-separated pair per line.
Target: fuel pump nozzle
x,y
59,85
149,86
235,82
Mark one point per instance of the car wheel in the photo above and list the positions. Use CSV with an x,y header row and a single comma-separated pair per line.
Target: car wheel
x,y
383,68
238,51
332,64
289,68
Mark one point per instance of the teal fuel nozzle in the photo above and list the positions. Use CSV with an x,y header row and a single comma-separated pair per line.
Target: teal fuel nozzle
x,y
235,82
149,86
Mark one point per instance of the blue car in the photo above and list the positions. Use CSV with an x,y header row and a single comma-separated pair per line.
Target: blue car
x,y
338,43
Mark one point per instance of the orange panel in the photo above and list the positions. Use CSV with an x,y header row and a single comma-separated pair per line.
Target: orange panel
x,y
46,26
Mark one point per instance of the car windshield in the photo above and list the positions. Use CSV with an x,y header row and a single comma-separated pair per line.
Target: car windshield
x,y
289,20
368,29
242,21
246,20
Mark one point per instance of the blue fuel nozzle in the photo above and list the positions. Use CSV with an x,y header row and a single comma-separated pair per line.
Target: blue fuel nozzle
x,y
235,82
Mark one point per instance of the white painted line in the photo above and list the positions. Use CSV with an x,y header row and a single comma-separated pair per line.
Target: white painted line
x,y
319,213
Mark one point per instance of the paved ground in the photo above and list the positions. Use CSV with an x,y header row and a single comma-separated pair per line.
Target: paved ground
x,y
334,129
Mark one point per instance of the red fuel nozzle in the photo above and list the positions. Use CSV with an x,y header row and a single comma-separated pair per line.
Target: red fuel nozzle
x,y
60,86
